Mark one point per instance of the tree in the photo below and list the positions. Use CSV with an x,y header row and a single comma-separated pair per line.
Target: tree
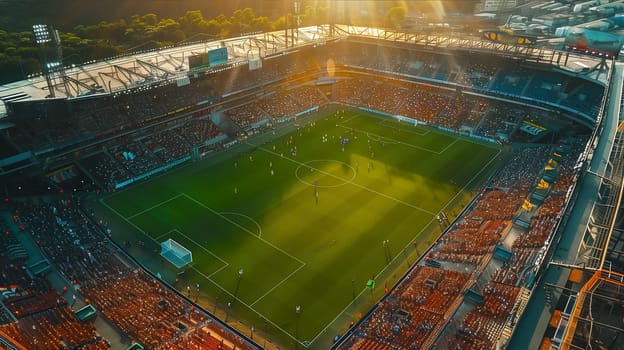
x,y
261,24
191,22
149,19
395,16
168,30
19,55
211,28
112,31
241,21
279,23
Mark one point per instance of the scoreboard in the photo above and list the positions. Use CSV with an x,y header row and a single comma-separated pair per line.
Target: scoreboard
x,y
210,59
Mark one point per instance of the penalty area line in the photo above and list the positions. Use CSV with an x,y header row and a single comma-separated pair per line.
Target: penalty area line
x,y
277,285
208,278
244,229
201,246
389,139
154,206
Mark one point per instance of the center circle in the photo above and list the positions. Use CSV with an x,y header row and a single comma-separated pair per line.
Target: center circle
x,y
324,173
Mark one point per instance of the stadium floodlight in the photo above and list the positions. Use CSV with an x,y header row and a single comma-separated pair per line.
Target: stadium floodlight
x,y
42,33
50,66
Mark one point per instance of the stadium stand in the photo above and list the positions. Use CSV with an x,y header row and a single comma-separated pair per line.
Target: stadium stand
x,y
464,254
246,115
132,133
136,303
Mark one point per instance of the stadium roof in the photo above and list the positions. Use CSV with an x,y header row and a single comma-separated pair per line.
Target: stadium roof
x,y
148,67
593,317
171,63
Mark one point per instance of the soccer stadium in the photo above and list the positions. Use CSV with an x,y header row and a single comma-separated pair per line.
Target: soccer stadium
x,y
323,187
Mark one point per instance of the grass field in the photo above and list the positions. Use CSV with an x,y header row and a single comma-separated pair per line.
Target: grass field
x,y
305,229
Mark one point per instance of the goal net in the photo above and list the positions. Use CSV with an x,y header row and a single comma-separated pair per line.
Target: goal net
x,y
175,253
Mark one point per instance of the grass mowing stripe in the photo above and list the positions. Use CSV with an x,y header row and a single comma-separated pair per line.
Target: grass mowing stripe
x,y
353,183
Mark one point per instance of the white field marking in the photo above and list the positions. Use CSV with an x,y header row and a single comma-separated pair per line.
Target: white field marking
x,y
201,246
154,239
128,221
386,139
244,229
154,206
449,146
268,320
353,183
159,237
206,277
277,285
386,121
217,271
338,315
245,216
397,256
324,186
452,199
368,134
348,120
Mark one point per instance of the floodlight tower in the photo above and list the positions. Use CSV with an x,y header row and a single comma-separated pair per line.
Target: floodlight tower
x,y
293,20
48,38
297,22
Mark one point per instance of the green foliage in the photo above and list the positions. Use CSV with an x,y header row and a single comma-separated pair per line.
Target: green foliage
x,y
86,42
395,16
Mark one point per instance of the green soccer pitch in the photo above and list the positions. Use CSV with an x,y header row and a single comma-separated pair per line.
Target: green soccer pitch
x,y
300,220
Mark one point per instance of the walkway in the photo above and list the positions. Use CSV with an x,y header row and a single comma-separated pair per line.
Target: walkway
x,y
535,319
